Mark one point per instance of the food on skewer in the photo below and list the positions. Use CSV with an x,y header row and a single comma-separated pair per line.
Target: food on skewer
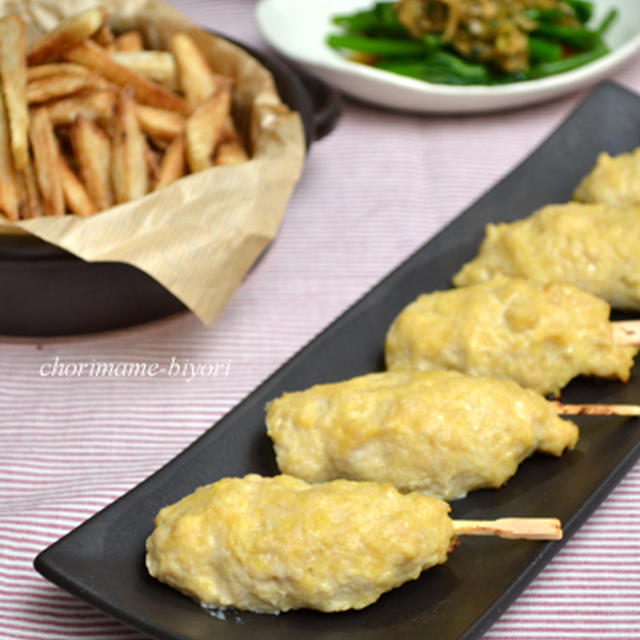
x,y
613,180
541,336
439,432
592,246
275,544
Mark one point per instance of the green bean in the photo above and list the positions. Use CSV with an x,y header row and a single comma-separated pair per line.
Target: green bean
x,y
582,9
407,67
607,21
439,67
378,46
543,51
544,69
380,20
432,41
361,22
578,37
388,19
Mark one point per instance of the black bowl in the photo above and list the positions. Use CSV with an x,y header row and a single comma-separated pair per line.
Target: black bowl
x,y
49,292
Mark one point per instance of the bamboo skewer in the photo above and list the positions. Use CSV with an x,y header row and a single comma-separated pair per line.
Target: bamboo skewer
x,y
597,409
511,528
626,332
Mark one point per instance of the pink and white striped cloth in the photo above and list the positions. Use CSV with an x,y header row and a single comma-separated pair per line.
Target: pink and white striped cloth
x,y
373,191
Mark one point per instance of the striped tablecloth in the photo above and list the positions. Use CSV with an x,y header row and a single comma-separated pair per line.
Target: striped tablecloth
x,y
372,192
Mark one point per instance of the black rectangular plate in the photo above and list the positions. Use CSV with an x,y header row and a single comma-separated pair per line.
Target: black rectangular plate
x,y
102,560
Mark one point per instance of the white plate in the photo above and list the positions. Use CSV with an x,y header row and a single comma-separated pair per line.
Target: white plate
x,y
298,30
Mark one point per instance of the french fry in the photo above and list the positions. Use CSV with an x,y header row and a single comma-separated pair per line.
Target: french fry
x,y
230,152
30,205
75,195
229,131
92,152
69,33
54,69
14,78
105,38
58,86
195,77
8,186
128,161
145,91
46,164
102,83
204,128
158,143
95,105
230,148
21,191
158,66
159,123
129,41
173,165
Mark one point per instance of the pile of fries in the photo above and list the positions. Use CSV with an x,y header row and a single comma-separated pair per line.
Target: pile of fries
x,y
90,119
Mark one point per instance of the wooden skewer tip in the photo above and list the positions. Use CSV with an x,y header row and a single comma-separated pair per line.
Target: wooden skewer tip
x,y
597,409
626,333
511,528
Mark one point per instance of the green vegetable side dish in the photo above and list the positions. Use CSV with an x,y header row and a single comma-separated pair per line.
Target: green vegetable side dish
x,y
474,42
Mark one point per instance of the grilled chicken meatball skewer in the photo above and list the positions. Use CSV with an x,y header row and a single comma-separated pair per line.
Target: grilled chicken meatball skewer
x,y
275,544
439,432
613,180
591,246
539,335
